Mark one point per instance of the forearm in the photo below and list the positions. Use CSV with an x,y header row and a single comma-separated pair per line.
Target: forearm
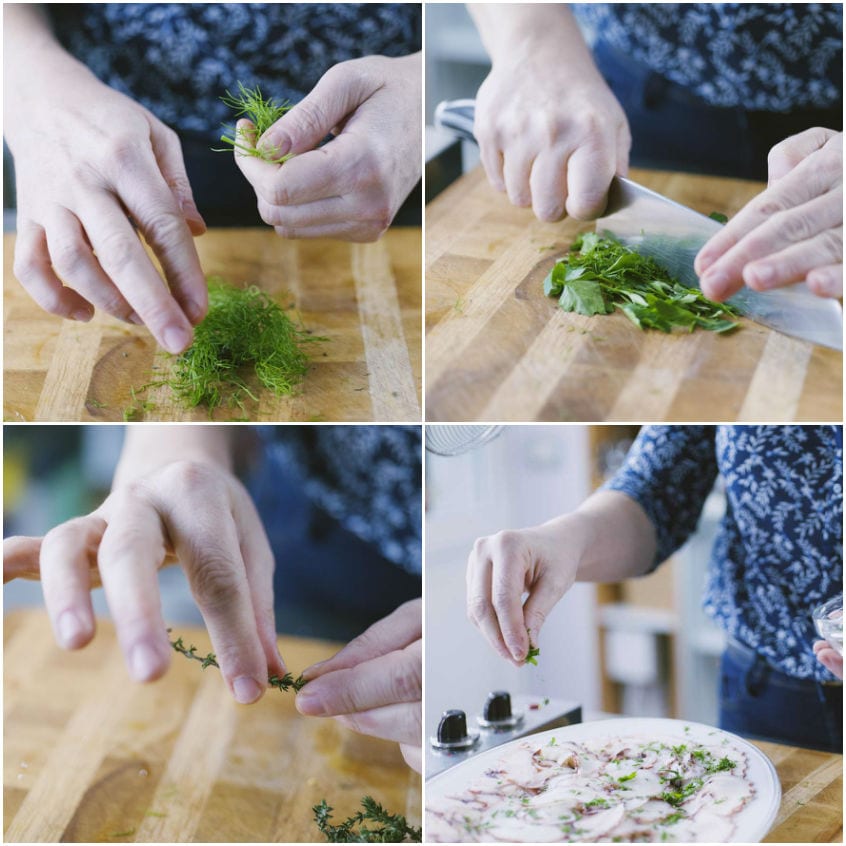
x,y
35,61
513,33
146,448
611,536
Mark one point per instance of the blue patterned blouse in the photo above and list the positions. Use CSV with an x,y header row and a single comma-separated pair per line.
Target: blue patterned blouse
x,y
779,551
367,477
759,56
177,59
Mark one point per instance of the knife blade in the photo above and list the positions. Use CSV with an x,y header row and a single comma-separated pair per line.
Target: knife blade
x,y
673,234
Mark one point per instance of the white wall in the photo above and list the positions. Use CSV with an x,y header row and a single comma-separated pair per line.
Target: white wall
x,y
526,476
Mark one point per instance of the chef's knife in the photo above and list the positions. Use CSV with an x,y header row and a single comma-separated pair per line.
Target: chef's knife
x,y
673,234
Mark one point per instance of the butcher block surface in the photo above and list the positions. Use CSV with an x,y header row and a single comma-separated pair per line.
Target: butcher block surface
x,y
90,756
497,349
365,298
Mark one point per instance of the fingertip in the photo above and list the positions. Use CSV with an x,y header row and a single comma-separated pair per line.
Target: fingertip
x,y
309,703
146,663
74,629
247,690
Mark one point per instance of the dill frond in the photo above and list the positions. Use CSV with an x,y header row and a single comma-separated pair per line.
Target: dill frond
x,y
251,103
245,333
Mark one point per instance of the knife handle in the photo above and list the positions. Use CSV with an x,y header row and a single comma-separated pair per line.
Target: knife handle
x,y
457,116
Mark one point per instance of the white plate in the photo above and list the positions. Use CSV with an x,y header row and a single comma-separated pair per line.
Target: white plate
x,y
752,822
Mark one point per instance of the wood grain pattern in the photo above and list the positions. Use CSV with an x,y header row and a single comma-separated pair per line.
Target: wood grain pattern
x,y
366,298
811,795
91,757
498,349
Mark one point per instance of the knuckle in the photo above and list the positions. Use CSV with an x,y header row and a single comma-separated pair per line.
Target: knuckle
x,y
185,476
792,226
405,682
215,581
770,204
288,232
502,600
478,609
68,257
123,150
311,117
507,541
118,249
164,229
832,244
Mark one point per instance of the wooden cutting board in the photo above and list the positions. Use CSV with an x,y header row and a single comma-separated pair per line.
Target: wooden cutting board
x,y
366,298
497,349
89,756
811,795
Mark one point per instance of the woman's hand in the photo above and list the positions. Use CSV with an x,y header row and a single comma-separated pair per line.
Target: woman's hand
x,y
792,231
351,187
374,684
607,539
550,132
829,657
504,566
194,511
90,165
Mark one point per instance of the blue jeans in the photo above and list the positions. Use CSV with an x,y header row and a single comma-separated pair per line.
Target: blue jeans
x,y
760,702
674,130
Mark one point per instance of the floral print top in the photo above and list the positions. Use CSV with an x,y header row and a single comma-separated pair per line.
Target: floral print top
x,y
779,551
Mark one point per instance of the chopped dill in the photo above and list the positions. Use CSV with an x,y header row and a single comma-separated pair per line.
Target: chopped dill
x,y
244,334
263,112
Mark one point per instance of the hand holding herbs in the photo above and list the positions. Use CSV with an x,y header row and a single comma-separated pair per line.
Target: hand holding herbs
x,y
600,275
173,499
91,165
257,115
374,684
801,241
351,186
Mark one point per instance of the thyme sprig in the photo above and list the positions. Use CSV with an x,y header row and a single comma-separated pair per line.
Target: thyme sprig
x,y
385,827
286,682
263,112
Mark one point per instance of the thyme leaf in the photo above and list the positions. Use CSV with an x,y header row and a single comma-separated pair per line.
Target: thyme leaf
x,y
384,827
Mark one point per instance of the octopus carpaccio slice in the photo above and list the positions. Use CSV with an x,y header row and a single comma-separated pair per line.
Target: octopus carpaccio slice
x,y
620,789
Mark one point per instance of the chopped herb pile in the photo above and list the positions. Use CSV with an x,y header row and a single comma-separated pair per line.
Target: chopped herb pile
x,y
244,333
286,682
600,275
371,825
250,103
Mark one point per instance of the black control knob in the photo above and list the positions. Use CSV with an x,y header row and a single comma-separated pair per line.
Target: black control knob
x,y
452,727
452,731
497,706
497,714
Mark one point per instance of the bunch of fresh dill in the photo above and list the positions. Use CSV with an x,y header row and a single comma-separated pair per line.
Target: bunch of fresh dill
x,y
599,275
245,333
386,827
286,682
263,112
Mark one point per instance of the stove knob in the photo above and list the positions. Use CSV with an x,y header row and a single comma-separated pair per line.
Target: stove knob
x,y
452,732
453,727
497,707
497,714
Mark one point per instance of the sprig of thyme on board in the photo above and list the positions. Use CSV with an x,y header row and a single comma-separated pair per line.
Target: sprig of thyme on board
x,y
286,682
385,827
